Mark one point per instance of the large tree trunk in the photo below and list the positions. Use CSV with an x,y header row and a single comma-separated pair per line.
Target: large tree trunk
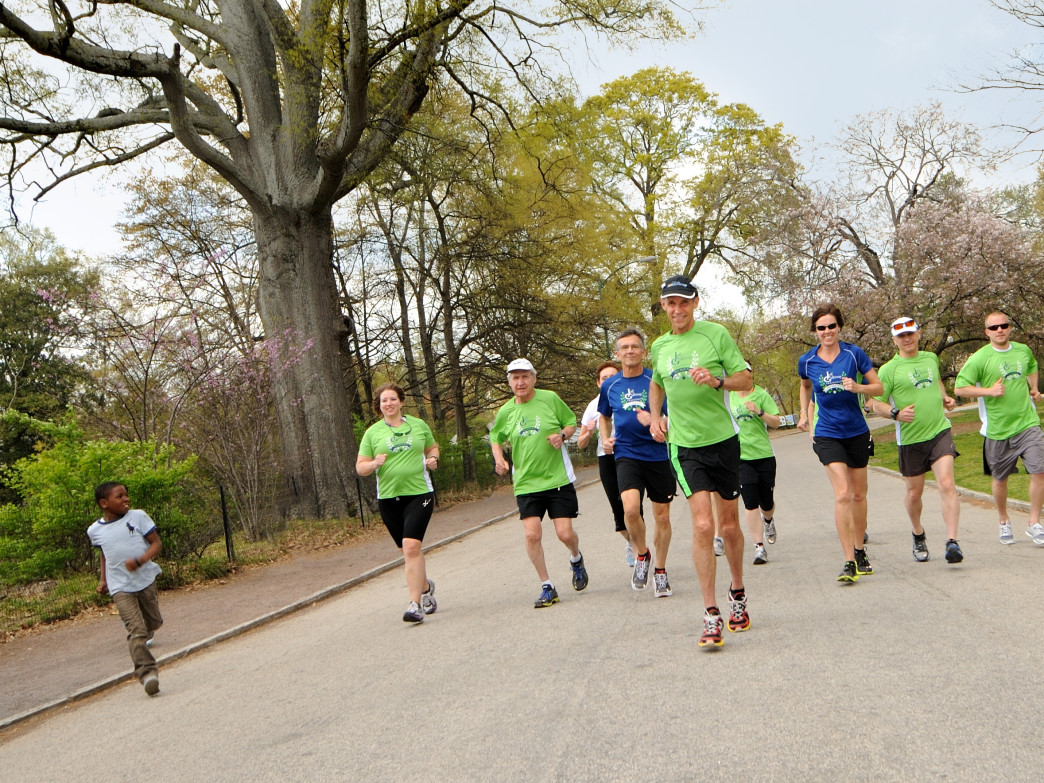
x,y
297,303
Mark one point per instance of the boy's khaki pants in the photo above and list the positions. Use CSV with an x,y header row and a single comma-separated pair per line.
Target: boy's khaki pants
x,y
141,616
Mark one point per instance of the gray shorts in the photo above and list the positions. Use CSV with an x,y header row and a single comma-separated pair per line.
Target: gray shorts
x,y
916,459
1000,456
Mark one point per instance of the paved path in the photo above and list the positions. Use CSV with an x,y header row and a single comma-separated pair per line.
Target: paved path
x,y
922,671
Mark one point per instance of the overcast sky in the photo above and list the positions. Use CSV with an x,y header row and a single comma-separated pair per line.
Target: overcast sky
x,y
811,64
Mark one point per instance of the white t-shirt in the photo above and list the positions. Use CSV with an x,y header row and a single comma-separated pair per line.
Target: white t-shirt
x,y
120,540
590,419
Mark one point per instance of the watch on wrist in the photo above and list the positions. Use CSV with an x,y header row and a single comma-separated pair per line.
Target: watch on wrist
x,y
894,413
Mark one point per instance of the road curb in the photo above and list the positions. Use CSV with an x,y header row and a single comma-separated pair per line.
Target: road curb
x,y
250,625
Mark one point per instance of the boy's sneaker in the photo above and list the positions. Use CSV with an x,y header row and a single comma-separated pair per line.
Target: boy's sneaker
x,y
413,613
661,587
739,620
953,552
151,639
548,595
640,575
719,546
428,603
711,636
579,574
862,562
920,548
151,684
1006,536
770,530
848,572
629,554
760,555
1036,532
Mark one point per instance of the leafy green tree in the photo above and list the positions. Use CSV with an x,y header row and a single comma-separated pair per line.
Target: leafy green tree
x,y
294,106
42,294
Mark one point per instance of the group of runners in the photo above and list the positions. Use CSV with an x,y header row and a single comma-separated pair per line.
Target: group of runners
x,y
693,419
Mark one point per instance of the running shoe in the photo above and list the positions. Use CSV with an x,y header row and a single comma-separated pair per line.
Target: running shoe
x,y
848,572
1036,532
760,555
1006,536
866,537
719,546
920,548
863,567
770,530
413,614
151,639
548,595
661,587
151,683
640,575
953,552
739,620
579,574
629,554
711,636
428,603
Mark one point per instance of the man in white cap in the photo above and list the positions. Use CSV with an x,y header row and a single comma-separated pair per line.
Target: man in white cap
x,y
1002,375
695,366
536,423
915,398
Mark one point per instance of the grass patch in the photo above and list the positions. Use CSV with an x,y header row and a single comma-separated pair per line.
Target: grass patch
x,y
967,467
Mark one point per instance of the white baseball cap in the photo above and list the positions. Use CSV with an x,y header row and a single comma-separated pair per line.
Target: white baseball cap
x,y
521,365
903,325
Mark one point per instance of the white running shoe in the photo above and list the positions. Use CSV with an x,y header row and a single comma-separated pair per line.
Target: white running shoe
x,y
1036,532
1006,536
661,587
719,546
760,555
428,603
629,554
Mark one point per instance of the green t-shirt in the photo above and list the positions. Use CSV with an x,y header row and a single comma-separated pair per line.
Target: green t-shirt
x,y
699,414
1007,416
753,431
915,381
536,464
403,472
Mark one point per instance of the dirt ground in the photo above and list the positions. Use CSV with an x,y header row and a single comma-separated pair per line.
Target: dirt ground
x,y
48,666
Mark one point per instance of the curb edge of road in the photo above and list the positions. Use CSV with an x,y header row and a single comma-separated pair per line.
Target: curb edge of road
x,y
1021,505
250,625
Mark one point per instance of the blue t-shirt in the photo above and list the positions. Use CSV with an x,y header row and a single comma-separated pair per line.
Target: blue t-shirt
x,y
620,399
838,414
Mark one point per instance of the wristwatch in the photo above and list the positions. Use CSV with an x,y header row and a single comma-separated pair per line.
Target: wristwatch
x,y
895,413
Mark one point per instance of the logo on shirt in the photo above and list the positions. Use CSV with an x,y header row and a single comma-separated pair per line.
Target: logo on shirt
x,y
634,400
677,368
399,442
921,379
527,429
1011,371
830,383
742,414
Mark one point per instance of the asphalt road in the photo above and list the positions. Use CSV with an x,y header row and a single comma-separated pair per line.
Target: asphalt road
x,y
923,671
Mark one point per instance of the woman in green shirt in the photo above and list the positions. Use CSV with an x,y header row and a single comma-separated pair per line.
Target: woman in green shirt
x,y
401,449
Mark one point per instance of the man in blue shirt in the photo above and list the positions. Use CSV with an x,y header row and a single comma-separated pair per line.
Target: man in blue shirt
x,y
642,463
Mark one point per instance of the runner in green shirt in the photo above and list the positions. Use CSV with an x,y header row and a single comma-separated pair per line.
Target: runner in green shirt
x,y
401,450
755,411
536,424
1003,377
914,396
695,366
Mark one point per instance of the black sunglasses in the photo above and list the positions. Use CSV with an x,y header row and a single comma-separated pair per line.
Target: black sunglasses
x,y
823,328
995,327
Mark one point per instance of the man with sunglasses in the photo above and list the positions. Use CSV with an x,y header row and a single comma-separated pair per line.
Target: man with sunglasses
x,y
915,398
1003,377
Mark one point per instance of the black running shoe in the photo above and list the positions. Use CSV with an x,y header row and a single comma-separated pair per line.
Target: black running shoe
x,y
848,572
548,595
920,548
863,567
579,574
953,552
